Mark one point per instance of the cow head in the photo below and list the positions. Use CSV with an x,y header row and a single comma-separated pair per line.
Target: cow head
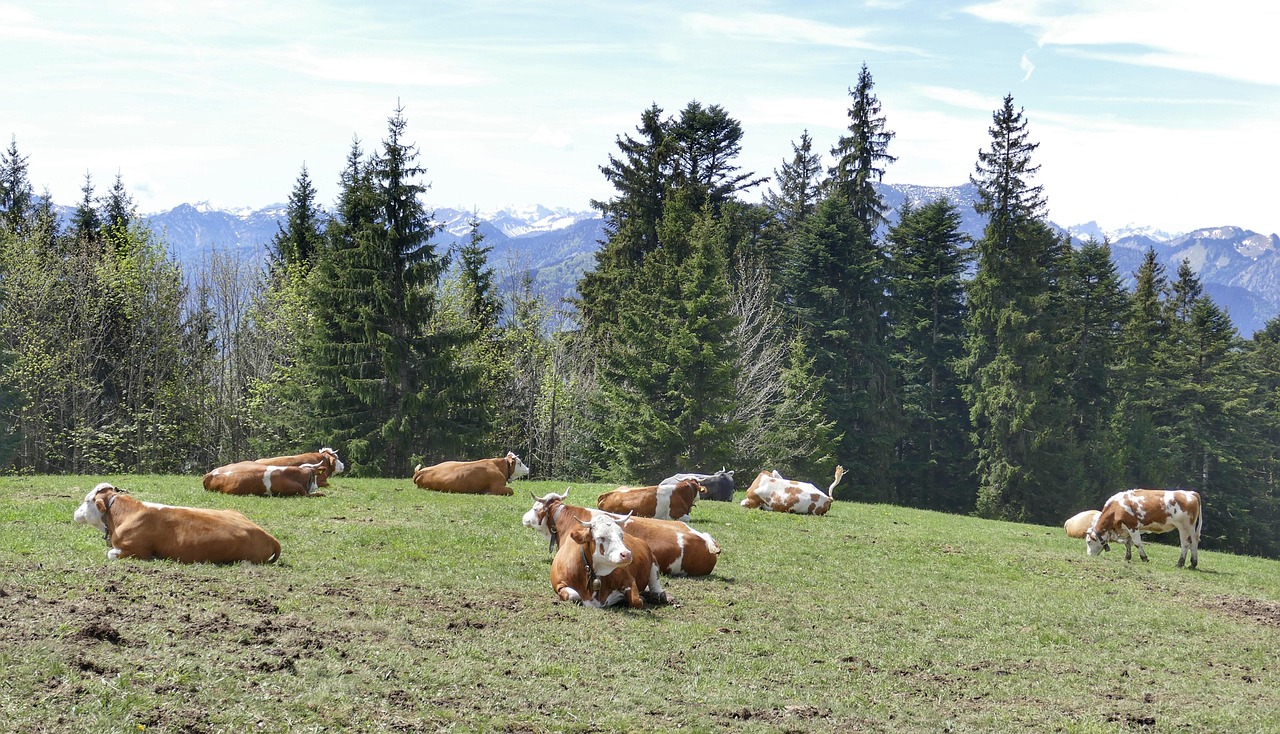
x,y
536,518
602,541
338,466
1096,543
90,512
515,467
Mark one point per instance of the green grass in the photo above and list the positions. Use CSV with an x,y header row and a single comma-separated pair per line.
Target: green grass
x,y
396,609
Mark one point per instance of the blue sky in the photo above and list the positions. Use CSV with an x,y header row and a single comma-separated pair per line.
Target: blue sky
x,y
1160,113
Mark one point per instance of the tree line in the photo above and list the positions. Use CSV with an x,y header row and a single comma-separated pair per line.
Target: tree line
x,y
1011,377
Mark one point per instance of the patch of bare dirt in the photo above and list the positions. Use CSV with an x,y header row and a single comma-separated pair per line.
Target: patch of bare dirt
x,y
1254,610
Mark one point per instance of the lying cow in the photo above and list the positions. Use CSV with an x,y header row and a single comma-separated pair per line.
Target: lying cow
x,y
486,476
1077,525
678,549
716,487
251,477
136,529
1128,514
597,565
770,491
663,501
325,460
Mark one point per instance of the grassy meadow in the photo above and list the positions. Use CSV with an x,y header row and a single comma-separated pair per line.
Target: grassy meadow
x,y
396,609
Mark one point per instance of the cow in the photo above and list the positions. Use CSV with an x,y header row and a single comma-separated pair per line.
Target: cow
x,y
678,549
598,566
327,458
1079,523
251,477
1130,513
716,487
770,491
663,501
485,476
136,529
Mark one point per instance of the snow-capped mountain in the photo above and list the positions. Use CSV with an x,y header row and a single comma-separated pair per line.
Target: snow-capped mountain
x,y
1240,269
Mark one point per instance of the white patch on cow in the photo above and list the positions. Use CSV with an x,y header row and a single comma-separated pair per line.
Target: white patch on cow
x,y
266,477
662,501
572,594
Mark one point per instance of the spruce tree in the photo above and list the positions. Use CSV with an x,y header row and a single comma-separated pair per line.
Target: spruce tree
x,y
928,255
1025,452
1094,307
833,289
86,225
299,237
385,383
17,200
861,156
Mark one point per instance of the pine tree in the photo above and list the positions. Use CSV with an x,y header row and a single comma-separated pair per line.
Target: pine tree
x,y
86,225
861,156
299,238
799,190
117,216
1025,452
928,256
667,390
706,141
1141,379
833,289
16,196
483,304
1094,306
386,383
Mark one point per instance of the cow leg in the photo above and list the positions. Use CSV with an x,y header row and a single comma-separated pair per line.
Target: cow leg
x,y
1137,540
1183,542
567,593
655,592
1128,549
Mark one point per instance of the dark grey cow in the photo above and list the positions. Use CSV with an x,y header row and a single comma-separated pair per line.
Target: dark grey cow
x,y
717,487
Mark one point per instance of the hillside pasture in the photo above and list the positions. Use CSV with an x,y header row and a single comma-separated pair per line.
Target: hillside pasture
x,y
398,609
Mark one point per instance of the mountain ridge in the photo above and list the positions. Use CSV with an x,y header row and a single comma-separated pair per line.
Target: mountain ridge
x,y
1239,268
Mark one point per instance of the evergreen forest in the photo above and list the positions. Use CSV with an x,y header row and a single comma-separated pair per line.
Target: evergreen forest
x,y
732,319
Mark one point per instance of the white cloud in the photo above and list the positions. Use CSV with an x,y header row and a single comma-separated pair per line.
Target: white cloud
x,y
544,135
785,29
1232,39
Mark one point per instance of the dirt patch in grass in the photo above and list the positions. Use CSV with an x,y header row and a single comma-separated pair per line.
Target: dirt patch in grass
x,y
1255,610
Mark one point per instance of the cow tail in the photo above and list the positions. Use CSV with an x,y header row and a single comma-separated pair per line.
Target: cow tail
x,y
1199,523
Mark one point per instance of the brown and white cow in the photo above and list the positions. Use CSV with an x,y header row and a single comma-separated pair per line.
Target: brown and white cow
x,y
1078,524
599,566
326,459
251,477
136,529
678,549
716,487
486,476
661,501
1130,513
770,491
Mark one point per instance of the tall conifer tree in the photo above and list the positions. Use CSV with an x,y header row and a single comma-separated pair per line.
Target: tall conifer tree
x,y
1011,371
928,257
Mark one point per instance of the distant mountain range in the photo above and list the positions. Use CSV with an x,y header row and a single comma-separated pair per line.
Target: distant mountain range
x,y
1240,269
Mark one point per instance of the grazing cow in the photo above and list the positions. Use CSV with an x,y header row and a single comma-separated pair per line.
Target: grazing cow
x,y
251,477
327,458
663,501
1077,525
1128,514
678,549
486,476
136,529
597,565
771,492
716,487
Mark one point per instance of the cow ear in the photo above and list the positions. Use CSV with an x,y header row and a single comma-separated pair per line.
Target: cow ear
x,y
100,503
581,534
